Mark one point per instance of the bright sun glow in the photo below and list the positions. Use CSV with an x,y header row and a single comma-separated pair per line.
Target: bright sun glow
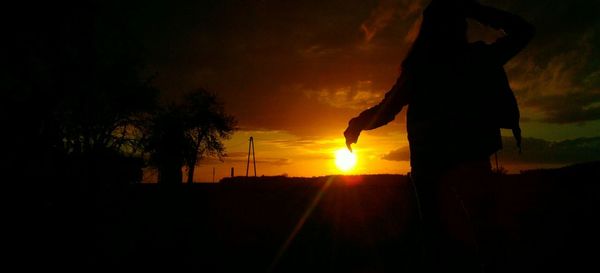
x,y
345,160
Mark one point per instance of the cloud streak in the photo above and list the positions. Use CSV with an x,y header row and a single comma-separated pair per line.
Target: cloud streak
x,y
557,78
400,154
274,161
385,13
550,152
303,66
563,89
535,150
357,96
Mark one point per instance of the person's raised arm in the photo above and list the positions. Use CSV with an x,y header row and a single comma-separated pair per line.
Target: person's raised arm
x,y
382,113
518,31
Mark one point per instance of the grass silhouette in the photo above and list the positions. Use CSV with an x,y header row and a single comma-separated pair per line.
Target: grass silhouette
x,y
323,224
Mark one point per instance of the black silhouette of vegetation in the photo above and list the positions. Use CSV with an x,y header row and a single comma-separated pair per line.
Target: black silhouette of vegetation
x,y
182,134
358,224
73,96
79,105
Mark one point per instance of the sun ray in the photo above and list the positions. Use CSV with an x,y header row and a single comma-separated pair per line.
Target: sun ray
x,y
311,207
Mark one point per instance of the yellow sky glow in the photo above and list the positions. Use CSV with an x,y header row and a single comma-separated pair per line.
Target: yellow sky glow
x,y
283,153
279,153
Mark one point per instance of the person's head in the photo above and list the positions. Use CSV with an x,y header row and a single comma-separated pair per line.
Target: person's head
x,y
443,31
444,23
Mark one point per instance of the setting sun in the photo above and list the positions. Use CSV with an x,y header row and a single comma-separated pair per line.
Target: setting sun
x,y
345,160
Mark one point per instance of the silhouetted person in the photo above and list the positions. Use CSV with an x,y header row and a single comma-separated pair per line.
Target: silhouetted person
x,y
458,98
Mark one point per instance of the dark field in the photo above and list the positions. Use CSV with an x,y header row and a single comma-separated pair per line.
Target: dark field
x,y
353,224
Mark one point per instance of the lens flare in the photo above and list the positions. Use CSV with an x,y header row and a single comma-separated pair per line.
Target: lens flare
x,y
345,160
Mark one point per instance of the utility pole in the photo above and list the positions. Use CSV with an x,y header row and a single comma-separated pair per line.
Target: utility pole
x,y
251,148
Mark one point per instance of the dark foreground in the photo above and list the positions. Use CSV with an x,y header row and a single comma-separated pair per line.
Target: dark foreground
x,y
353,224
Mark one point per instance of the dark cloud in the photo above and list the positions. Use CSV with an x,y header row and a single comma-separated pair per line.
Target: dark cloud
x,y
400,154
303,66
557,78
386,12
542,151
268,60
537,151
569,108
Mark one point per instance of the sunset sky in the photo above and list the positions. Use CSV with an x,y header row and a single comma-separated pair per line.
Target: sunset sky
x,y
294,72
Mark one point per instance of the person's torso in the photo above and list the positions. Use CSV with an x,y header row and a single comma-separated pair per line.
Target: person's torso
x,y
451,110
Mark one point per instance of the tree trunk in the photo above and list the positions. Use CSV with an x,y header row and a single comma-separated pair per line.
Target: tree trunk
x,y
190,170
194,159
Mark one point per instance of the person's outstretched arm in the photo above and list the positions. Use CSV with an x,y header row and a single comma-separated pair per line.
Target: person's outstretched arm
x,y
382,113
518,31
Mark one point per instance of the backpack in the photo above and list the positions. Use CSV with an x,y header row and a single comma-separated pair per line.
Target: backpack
x,y
504,110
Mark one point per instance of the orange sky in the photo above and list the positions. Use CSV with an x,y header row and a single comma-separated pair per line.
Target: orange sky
x,y
294,72
280,153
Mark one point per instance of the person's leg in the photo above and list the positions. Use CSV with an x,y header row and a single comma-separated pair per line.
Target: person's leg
x,y
471,183
460,245
426,189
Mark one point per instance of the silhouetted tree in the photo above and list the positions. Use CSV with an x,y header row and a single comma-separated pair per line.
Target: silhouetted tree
x,y
167,144
184,133
207,124
74,95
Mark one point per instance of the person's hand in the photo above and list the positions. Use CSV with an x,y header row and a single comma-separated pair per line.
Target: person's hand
x,y
351,134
